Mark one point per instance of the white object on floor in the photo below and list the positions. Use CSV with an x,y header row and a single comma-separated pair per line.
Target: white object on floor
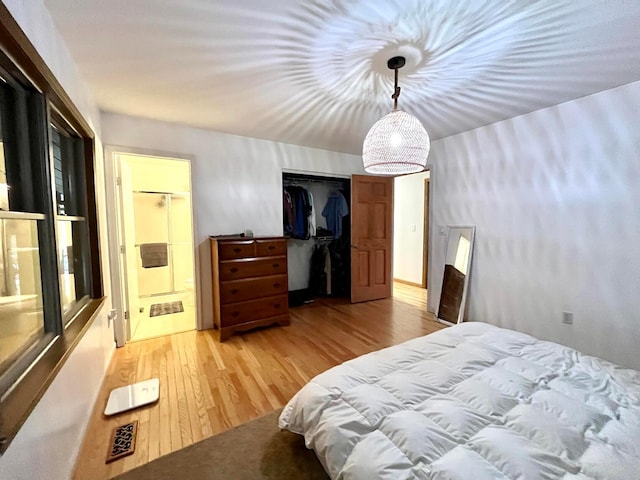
x,y
132,396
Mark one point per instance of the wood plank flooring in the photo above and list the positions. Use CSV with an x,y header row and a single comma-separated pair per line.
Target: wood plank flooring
x,y
207,387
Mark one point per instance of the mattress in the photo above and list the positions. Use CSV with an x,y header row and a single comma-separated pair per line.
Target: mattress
x,y
472,402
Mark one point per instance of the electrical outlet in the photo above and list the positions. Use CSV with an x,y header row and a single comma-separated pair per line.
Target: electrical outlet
x,y
567,318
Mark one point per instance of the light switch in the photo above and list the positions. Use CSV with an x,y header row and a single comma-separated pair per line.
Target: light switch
x,y
413,227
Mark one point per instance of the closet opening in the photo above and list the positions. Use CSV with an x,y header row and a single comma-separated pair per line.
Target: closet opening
x,y
317,224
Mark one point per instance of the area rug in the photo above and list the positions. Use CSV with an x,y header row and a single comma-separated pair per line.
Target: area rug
x,y
254,450
168,308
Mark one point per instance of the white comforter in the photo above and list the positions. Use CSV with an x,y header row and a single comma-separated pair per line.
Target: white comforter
x,y
472,402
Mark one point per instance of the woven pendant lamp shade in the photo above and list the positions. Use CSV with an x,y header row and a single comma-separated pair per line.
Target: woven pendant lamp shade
x,y
396,144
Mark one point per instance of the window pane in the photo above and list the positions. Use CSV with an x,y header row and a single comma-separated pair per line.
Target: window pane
x,y
4,188
72,231
56,150
21,312
62,163
65,265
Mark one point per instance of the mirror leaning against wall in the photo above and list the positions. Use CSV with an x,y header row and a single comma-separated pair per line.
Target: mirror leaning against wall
x,y
455,279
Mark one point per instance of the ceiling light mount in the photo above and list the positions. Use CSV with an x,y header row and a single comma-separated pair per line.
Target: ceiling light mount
x,y
397,143
395,64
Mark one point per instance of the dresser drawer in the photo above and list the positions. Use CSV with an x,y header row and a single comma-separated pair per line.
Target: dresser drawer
x,y
241,290
271,248
254,310
237,249
255,267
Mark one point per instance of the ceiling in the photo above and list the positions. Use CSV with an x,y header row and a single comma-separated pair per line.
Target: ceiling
x,y
314,72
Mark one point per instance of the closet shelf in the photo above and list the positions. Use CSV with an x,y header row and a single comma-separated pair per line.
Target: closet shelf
x,y
317,239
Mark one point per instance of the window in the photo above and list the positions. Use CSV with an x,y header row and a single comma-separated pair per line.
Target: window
x,y
72,228
22,324
50,282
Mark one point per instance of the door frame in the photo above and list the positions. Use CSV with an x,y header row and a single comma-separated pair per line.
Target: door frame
x,y
430,236
118,282
426,229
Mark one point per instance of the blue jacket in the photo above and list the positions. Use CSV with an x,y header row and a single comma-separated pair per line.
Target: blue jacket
x,y
333,211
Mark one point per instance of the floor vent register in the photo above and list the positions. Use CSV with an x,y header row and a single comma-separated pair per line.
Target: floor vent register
x,y
123,441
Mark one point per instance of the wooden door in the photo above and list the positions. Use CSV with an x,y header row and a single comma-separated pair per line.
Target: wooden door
x,y
371,237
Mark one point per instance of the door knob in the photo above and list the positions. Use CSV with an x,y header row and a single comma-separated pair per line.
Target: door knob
x,y
354,246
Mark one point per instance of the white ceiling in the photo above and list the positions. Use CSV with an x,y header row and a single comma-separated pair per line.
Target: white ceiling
x,y
314,72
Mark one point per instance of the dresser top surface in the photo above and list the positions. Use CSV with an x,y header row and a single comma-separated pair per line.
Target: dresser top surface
x,y
238,237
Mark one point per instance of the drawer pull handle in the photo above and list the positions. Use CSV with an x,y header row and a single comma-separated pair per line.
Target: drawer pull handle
x,y
234,270
237,249
235,314
271,247
275,265
234,291
276,305
276,285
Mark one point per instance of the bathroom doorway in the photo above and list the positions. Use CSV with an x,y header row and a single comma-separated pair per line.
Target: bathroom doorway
x,y
156,255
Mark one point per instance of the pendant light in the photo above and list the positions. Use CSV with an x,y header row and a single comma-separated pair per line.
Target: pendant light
x,y
397,143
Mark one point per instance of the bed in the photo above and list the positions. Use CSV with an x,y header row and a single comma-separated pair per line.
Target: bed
x,y
472,402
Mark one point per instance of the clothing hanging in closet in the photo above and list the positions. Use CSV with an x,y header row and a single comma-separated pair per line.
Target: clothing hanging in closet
x,y
335,209
329,272
320,272
298,212
288,213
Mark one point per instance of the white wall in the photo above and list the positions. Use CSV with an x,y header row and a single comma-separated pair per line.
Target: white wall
x,y
47,444
408,227
237,181
555,197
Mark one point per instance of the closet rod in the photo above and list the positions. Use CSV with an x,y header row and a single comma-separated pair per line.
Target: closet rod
x,y
290,182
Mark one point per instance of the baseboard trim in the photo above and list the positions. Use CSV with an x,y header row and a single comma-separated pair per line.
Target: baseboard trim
x,y
406,282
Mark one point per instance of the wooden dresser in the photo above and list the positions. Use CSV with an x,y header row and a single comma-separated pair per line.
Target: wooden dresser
x,y
250,286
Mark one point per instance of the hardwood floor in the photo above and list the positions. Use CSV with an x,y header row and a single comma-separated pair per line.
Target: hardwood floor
x,y
207,387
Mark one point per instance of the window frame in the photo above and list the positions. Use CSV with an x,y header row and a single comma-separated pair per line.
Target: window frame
x,y
22,62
